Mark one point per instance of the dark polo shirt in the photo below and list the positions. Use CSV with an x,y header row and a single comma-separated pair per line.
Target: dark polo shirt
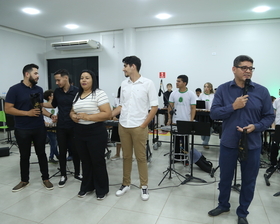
x,y
64,102
19,96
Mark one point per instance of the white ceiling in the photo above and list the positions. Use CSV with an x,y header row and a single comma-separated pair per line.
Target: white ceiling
x,y
106,15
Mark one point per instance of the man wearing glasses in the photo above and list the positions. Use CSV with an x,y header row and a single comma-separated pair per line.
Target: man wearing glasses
x,y
251,111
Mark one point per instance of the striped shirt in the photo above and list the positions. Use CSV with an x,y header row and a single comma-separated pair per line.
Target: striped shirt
x,y
90,104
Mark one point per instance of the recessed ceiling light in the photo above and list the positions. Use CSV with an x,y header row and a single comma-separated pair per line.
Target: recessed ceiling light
x,y
163,16
71,26
31,11
261,9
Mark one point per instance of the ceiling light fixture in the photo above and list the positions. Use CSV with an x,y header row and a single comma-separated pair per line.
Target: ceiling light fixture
x,y
261,9
31,11
71,26
163,16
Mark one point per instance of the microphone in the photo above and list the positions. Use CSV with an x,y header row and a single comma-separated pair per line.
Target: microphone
x,y
247,83
159,91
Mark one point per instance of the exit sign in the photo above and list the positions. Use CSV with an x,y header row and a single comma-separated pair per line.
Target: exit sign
x,y
162,75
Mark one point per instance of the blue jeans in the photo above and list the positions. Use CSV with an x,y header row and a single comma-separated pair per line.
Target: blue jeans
x,y
53,143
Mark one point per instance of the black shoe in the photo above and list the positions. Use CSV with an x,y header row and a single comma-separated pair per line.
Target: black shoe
x,y
217,211
242,220
271,168
82,194
62,181
78,177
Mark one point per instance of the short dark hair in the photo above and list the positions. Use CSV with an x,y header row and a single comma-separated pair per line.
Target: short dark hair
x,y
133,60
62,72
242,58
184,78
198,89
47,94
29,68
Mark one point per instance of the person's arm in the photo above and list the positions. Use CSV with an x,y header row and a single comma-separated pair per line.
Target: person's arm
x,y
150,116
170,107
193,111
47,105
116,111
73,116
104,114
10,109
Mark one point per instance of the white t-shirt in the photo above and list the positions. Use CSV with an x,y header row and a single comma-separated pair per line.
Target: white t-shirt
x,y
208,98
90,104
276,106
182,104
136,100
53,111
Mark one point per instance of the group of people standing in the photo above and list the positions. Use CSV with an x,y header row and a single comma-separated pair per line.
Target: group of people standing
x,y
82,112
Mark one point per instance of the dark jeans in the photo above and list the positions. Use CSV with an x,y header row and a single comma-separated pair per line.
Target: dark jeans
x,y
24,139
249,172
53,144
92,141
65,135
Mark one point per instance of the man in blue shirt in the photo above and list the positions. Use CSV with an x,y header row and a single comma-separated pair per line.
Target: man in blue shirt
x,y
251,111
24,101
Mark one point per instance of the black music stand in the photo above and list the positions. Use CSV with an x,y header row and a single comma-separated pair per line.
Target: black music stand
x,y
193,128
276,138
169,168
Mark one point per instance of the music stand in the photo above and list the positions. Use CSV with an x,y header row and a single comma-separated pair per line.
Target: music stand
x,y
169,168
193,128
276,138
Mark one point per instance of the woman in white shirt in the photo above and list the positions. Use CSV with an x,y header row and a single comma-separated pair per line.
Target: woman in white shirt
x,y
90,108
207,96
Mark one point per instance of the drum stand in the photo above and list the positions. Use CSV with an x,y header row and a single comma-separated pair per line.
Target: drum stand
x,y
267,176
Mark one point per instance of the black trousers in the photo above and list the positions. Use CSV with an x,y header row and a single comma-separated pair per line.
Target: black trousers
x,y
64,136
91,140
24,139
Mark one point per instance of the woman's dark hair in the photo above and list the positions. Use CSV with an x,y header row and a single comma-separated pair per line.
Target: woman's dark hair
x,y
119,92
93,87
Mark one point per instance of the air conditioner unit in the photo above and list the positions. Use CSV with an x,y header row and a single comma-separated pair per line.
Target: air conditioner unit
x,y
76,45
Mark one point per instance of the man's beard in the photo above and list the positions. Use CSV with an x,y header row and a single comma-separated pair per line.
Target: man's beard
x,y
32,81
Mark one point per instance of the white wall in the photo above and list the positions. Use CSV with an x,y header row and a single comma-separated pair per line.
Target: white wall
x,y
188,50
16,51
174,50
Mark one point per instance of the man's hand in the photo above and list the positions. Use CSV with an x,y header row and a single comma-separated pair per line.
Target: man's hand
x,y
34,112
250,128
240,102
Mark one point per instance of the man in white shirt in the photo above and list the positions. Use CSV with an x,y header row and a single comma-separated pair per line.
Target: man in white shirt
x,y
138,96
184,102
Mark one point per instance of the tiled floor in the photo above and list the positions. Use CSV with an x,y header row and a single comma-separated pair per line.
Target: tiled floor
x,y
169,203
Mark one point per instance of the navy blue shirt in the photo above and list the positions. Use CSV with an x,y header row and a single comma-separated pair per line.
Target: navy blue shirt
x,y
258,111
64,102
19,95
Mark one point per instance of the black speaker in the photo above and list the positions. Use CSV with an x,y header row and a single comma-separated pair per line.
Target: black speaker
x,y
5,151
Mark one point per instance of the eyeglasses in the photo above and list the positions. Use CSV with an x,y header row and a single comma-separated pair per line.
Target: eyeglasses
x,y
245,68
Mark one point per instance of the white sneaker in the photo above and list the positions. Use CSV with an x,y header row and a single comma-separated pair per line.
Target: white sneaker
x,y
145,193
123,189
115,158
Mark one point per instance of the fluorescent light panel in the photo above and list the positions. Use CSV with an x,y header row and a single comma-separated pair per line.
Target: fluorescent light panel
x,y
31,11
163,16
261,9
71,26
